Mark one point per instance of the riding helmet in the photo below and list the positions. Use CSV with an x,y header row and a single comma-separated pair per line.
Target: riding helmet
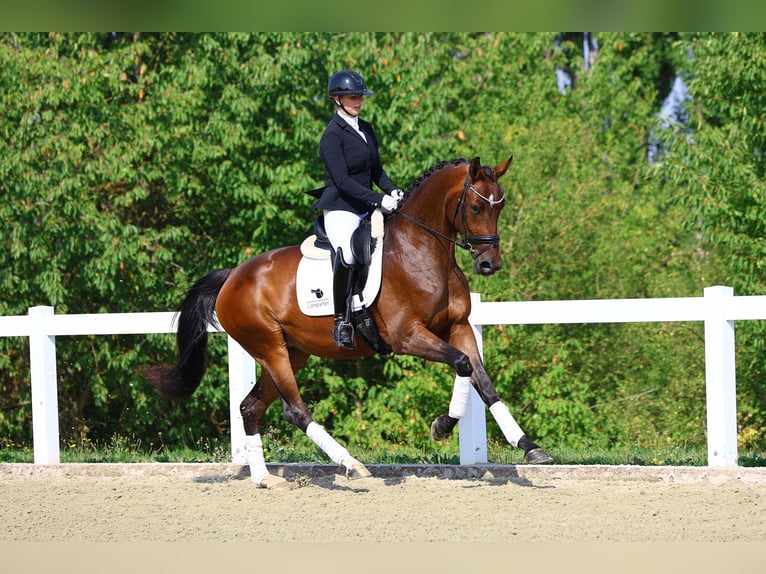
x,y
347,83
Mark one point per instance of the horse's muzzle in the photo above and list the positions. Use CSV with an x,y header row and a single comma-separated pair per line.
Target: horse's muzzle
x,y
486,261
487,265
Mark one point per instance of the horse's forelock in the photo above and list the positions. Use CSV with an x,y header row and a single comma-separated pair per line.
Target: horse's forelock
x,y
489,172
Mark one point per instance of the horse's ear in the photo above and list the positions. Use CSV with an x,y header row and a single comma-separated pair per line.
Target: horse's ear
x,y
501,168
475,168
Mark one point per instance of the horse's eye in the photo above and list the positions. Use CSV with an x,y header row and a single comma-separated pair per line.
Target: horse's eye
x,y
475,209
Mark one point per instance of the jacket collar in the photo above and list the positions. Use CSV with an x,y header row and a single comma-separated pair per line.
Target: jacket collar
x,y
346,126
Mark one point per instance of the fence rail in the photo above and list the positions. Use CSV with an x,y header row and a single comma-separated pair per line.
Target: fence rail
x,y
718,309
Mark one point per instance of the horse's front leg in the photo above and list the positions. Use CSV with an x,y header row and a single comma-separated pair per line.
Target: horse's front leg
x,y
444,424
533,453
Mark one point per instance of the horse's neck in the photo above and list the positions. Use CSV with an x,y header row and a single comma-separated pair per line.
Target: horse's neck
x,y
433,242
429,203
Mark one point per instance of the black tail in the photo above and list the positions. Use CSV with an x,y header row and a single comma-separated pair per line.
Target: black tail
x,y
196,312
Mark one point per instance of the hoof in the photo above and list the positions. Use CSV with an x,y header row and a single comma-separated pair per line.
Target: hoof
x,y
271,482
356,471
436,434
442,426
537,456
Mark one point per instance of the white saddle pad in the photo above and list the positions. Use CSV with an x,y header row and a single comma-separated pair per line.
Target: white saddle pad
x,y
313,282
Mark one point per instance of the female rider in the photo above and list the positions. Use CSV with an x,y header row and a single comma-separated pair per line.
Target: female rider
x,y
349,150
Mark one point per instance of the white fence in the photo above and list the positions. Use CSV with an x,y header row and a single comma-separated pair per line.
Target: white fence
x,y
718,309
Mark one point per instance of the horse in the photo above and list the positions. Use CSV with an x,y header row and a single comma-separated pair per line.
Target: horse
x,y
421,309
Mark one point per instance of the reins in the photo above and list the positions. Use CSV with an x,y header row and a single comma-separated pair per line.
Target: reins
x,y
468,241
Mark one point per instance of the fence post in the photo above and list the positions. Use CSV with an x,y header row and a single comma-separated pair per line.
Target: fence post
x,y
45,403
472,428
241,381
720,379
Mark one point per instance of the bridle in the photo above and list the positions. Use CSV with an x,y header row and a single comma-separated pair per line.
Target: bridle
x,y
468,240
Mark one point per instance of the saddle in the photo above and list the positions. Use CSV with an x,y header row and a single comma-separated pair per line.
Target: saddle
x,y
314,276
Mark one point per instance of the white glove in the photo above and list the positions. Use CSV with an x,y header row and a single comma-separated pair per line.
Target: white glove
x,y
389,204
397,194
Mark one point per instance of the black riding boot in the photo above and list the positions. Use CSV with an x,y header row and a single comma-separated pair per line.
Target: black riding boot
x,y
343,333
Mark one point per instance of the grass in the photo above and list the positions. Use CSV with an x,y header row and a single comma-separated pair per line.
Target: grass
x,y
129,450
121,449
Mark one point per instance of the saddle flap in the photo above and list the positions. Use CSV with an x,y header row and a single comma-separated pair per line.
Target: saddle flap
x,y
314,276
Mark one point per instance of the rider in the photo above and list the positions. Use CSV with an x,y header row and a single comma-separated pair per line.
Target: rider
x,y
349,150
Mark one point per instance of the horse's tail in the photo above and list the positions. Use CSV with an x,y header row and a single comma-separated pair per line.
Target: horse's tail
x,y
196,312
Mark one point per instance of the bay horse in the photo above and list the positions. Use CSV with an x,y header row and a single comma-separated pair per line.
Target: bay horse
x,y
422,310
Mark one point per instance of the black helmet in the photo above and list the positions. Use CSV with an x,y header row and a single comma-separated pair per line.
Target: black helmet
x,y
347,83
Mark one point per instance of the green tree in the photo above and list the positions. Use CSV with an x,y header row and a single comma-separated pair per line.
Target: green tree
x,y
137,162
134,163
715,172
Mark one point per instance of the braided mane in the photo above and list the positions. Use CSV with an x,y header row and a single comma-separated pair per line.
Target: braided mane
x,y
432,170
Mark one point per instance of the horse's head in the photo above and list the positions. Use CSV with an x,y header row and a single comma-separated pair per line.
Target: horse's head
x,y
477,211
473,200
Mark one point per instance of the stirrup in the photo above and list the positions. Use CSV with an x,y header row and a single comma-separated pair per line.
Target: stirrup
x,y
343,333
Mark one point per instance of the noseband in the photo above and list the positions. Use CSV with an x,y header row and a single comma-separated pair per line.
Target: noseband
x,y
468,241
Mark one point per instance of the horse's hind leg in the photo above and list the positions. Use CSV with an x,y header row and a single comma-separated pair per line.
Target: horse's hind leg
x,y
282,375
253,408
338,454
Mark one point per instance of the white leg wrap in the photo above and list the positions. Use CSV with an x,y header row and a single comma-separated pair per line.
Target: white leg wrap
x,y
508,424
460,391
329,445
254,449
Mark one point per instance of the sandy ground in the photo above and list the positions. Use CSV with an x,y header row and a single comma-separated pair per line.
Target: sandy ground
x,y
199,503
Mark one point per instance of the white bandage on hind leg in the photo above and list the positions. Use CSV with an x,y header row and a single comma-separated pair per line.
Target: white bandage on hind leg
x,y
329,445
254,449
459,402
507,423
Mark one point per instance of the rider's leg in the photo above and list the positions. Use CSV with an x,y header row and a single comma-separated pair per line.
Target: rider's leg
x,y
340,225
343,333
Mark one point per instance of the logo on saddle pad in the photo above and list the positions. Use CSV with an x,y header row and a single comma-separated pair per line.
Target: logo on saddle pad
x,y
313,282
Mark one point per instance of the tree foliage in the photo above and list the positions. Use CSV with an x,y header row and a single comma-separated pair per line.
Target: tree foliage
x,y
132,164
715,171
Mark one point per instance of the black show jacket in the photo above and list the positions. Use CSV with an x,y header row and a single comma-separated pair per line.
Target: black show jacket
x,y
351,167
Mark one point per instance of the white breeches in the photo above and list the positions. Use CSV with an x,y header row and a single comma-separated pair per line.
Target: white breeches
x,y
340,225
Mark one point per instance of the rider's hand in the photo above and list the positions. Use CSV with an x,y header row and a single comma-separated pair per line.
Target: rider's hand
x,y
397,194
388,204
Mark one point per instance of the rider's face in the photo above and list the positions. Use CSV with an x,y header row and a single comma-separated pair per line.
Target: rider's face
x,y
352,104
